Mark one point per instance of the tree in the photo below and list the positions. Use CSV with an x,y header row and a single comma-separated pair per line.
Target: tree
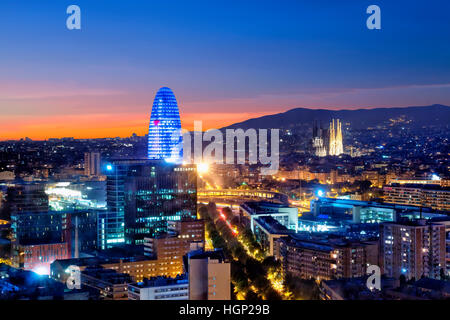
x,y
442,274
402,281
261,283
217,240
363,186
235,221
271,263
239,276
271,294
247,272
254,268
227,212
203,213
239,253
212,211
300,288
251,295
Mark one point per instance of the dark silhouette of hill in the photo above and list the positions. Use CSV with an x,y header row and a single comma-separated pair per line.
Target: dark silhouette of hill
x,y
359,118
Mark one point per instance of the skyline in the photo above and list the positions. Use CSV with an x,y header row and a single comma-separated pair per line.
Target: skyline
x,y
219,58
191,128
230,153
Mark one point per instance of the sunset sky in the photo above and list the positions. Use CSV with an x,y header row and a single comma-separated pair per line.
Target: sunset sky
x,y
226,61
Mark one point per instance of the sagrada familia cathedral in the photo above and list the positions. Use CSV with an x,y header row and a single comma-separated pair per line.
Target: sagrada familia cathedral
x,y
328,142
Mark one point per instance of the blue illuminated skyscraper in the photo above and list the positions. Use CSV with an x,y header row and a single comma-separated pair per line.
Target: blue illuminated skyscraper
x,y
164,132
142,195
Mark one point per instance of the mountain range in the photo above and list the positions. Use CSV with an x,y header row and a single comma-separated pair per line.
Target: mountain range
x,y
436,114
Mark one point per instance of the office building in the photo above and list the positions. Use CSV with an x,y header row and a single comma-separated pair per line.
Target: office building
x,y
187,228
38,257
164,133
83,231
27,197
105,284
142,196
169,250
414,249
39,236
414,180
31,221
160,288
432,196
184,236
446,223
128,261
92,163
40,227
267,231
284,214
7,176
209,275
77,229
326,259
357,211
19,284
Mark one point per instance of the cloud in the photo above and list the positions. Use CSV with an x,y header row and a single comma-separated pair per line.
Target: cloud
x,y
10,91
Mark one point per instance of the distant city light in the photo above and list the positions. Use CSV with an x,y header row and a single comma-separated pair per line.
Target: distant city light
x,y
109,167
172,160
41,270
320,193
62,184
202,167
64,192
435,177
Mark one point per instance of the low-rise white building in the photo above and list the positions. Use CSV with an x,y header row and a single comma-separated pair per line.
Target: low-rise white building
x,y
160,288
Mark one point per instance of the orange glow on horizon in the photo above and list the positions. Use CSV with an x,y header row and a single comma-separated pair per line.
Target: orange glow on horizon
x,y
88,126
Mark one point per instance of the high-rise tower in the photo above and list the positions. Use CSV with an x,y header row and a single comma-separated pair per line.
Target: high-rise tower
x,y
92,163
142,195
164,133
318,141
332,149
336,145
339,144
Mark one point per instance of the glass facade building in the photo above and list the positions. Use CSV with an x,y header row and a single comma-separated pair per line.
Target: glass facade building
x,y
164,133
142,195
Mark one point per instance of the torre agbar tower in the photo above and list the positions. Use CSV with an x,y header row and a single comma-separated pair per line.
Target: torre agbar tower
x,y
164,132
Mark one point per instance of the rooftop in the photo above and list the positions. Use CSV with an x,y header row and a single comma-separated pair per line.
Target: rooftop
x,y
263,206
162,281
272,225
323,243
419,186
108,275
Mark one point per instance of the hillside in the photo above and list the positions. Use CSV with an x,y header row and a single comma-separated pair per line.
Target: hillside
x,y
359,119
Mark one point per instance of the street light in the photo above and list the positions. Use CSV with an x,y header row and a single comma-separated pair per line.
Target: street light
x,y
202,167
